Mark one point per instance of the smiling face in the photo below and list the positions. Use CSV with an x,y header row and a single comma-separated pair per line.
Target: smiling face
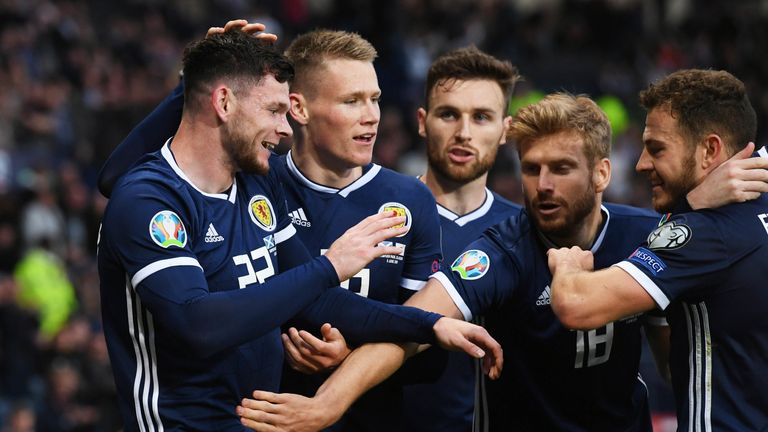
x,y
464,127
667,160
257,125
343,113
558,184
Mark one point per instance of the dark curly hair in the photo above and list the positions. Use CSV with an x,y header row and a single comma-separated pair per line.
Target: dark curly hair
x,y
234,56
704,102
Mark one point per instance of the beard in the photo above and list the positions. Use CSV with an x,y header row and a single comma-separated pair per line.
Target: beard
x,y
440,163
242,151
676,189
567,223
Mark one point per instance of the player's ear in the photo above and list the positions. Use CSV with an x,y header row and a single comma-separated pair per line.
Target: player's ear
x,y
298,110
223,101
507,122
713,152
601,174
421,117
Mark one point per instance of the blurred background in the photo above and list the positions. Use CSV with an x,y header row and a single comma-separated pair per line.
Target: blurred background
x,y
76,75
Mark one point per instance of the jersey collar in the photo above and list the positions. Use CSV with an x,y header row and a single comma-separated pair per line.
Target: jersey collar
x,y
357,184
165,151
469,217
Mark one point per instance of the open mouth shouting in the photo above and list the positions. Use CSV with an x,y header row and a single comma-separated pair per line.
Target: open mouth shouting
x,y
268,145
366,138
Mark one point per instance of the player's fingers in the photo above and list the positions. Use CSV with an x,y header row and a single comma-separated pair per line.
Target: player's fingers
x,y
255,420
264,397
755,186
386,250
253,28
312,343
238,23
267,37
214,30
293,356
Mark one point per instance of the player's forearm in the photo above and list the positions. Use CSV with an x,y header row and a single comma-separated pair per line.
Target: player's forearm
x,y
362,320
363,369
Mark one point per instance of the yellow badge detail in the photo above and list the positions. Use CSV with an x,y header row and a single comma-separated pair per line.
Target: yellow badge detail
x,y
262,213
401,210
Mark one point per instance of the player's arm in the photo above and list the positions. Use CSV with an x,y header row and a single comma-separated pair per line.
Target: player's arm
x,y
364,368
583,299
741,178
425,251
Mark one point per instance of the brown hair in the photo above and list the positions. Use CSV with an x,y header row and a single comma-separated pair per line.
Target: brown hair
x,y
704,102
564,112
308,52
471,63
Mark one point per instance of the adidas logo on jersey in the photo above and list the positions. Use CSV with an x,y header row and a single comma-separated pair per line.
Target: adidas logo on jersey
x,y
544,298
212,236
299,218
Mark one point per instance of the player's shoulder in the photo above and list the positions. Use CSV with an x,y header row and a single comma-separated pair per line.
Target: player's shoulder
x,y
502,204
150,174
404,187
627,211
511,232
389,176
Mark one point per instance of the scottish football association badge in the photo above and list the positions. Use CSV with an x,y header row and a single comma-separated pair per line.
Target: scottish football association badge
x,y
401,210
262,213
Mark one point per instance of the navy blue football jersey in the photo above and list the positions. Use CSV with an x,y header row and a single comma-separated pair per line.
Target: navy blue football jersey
x,y
447,404
708,269
554,378
194,289
321,214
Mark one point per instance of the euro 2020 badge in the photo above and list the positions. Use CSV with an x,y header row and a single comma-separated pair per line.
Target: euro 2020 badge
x,y
167,229
472,264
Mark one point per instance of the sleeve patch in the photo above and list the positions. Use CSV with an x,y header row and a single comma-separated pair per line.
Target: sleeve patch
x,y
472,264
671,235
166,229
648,259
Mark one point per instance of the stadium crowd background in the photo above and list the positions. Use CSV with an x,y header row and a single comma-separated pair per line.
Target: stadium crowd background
x,y
76,75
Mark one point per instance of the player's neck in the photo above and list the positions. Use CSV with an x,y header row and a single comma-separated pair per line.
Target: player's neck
x,y
324,169
459,197
198,152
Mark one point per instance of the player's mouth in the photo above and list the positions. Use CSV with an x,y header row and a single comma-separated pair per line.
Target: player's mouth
x,y
460,155
268,145
366,138
548,207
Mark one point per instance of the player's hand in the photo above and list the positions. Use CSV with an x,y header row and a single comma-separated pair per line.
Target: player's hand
x,y
308,354
286,412
360,244
246,27
740,178
573,259
458,335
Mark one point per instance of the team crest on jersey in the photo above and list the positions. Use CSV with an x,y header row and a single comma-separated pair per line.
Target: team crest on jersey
x,y
262,213
401,210
166,229
472,264
671,235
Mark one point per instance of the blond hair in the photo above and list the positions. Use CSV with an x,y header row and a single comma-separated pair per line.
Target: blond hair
x,y
564,112
308,52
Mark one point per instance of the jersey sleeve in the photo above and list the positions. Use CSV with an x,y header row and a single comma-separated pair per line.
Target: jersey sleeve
x,y
147,137
149,237
481,277
424,254
680,258
363,320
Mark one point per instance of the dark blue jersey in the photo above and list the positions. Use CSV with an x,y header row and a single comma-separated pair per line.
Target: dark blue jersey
x,y
708,270
321,214
194,289
448,403
554,379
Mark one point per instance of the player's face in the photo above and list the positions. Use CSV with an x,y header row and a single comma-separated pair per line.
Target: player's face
x,y
558,184
344,113
667,160
256,126
464,127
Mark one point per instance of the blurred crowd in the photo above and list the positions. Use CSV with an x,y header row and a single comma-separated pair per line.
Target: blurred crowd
x,y
76,75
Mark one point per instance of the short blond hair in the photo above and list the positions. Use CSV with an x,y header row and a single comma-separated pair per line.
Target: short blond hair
x,y
564,112
308,52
